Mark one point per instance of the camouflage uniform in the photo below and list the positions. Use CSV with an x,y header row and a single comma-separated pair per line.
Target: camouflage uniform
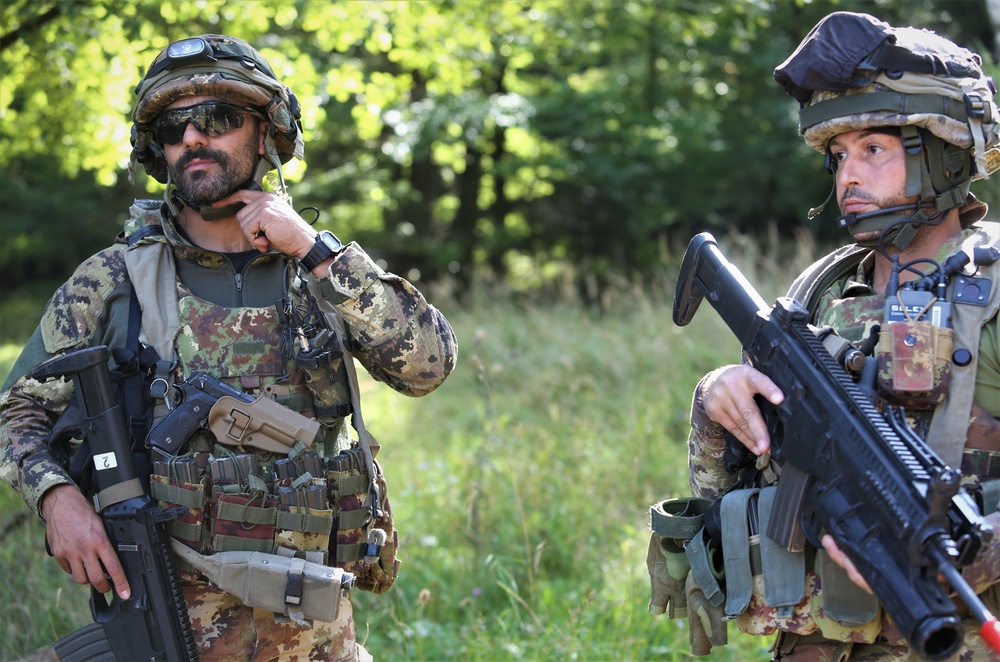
x,y
851,307
229,328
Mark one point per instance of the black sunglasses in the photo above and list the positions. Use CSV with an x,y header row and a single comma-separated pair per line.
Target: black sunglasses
x,y
212,118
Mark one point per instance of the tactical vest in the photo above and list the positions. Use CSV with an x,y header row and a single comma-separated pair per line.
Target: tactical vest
x,y
950,423
768,588
228,508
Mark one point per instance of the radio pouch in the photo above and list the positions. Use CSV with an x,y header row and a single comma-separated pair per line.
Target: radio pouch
x,y
914,364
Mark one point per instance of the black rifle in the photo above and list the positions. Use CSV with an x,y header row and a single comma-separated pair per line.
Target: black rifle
x,y
888,500
153,623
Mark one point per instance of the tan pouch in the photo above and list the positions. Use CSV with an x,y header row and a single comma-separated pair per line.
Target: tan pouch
x,y
297,588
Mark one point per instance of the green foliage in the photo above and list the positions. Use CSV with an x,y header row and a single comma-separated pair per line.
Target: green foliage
x,y
450,137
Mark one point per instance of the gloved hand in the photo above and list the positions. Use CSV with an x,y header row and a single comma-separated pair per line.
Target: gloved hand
x,y
668,569
705,625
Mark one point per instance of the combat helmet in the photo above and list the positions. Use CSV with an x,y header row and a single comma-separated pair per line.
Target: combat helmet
x,y
223,67
853,72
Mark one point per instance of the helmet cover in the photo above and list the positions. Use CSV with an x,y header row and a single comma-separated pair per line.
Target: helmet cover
x,y
853,71
222,67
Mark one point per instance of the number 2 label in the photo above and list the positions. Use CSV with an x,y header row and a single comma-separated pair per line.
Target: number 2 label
x,y
105,461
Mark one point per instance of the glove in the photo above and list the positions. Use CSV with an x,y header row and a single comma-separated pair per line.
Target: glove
x,y
706,627
668,569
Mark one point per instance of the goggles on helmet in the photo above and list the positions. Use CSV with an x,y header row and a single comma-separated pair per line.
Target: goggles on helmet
x,y
195,50
212,118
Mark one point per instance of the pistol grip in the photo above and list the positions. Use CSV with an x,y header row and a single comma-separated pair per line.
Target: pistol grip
x,y
174,429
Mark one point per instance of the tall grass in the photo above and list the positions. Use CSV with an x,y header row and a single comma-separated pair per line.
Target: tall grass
x,y
520,488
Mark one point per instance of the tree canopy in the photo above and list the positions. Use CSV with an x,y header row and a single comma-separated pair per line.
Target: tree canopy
x,y
448,136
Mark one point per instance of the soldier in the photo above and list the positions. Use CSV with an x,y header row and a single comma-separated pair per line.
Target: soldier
x,y
206,268
907,121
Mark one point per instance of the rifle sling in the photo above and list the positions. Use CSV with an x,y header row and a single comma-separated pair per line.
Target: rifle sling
x,y
369,447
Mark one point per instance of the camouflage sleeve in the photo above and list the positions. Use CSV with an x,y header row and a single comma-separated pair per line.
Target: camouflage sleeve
x,y
28,410
77,314
707,476
399,338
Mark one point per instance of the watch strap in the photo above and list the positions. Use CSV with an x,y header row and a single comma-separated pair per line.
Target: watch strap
x,y
319,252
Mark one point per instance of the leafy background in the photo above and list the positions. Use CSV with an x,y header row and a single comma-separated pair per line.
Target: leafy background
x,y
546,144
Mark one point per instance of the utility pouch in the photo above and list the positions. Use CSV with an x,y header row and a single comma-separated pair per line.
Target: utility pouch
x,y
304,520
740,546
286,585
914,364
673,522
244,514
175,482
784,571
843,601
365,540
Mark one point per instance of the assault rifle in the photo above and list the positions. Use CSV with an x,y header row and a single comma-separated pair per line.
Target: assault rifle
x,y
232,415
888,500
153,623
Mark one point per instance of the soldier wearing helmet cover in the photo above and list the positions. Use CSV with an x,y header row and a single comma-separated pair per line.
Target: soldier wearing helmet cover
x,y
207,266
906,120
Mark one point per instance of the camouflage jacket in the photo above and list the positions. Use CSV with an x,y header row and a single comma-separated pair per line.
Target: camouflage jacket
x,y
391,329
851,307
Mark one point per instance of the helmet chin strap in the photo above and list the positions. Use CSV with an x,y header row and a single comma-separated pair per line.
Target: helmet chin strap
x,y
899,223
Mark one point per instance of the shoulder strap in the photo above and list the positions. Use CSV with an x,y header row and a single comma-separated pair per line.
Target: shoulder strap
x,y
369,447
820,275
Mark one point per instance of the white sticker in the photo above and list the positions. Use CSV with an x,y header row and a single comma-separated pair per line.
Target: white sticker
x,y
105,461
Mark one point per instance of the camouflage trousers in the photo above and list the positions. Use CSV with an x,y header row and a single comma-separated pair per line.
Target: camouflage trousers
x,y
226,630
811,649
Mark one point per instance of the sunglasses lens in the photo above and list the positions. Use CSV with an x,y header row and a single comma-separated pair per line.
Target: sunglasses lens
x,y
211,119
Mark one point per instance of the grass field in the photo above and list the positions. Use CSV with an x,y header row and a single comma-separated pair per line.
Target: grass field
x,y
520,488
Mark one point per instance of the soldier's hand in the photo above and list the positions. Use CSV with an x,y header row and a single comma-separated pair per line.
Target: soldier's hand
x,y
270,223
840,558
79,542
729,401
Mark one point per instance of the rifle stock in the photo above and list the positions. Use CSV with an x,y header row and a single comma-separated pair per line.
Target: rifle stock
x,y
153,623
890,503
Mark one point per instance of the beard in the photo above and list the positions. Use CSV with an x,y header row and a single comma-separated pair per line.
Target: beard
x,y
201,188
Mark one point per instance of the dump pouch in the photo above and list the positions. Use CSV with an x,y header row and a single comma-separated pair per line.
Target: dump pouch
x,y
286,585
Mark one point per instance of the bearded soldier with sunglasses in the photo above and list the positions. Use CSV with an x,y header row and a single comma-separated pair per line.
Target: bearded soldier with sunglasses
x,y
222,278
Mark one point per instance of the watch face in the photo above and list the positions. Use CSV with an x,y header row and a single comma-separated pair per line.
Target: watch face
x,y
330,241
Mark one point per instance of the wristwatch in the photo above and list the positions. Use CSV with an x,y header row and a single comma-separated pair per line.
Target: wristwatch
x,y
327,245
